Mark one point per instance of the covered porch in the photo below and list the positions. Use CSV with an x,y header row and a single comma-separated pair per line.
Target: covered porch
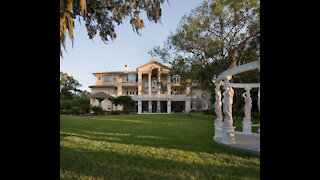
x,y
104,100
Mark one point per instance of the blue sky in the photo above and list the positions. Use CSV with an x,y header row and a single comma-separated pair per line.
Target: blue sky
x,y
87,56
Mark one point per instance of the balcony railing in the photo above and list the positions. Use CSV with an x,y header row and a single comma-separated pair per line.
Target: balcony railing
x,y
164,96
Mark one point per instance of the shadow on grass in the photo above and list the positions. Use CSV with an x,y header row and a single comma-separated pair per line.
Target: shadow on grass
x,y
150,140
159,131
112,165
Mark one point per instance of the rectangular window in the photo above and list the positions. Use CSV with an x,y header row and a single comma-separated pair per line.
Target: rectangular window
x,y
146,84
106,78
132,78
154,83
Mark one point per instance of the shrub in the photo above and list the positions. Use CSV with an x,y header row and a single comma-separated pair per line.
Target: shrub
x,y
127,112
126,101
66,104
115,112
85,108
65,112
238,113
205,111
96,109
255,115
76,110
75,105
209,112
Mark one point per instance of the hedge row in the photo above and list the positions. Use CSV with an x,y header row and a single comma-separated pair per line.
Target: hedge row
x,y
75,111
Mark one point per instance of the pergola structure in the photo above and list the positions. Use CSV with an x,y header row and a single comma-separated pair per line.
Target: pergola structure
x,y
224,131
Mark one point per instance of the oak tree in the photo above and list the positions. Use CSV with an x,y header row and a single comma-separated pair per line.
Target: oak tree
x,y
217,35
101,16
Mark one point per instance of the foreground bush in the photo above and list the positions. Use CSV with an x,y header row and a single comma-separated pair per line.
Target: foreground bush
x,y
75,110
122,112
205,111
75,106
96,110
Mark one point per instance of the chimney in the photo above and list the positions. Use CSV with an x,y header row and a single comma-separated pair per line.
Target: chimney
x,y
126,68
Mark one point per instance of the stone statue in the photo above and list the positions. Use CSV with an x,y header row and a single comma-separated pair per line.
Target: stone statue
x,y
217,105
227,105
259,100
248,105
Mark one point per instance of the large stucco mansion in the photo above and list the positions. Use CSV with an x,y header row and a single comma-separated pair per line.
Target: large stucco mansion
x,y
151,87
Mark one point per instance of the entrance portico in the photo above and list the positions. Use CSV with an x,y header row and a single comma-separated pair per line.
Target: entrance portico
x,y
154,90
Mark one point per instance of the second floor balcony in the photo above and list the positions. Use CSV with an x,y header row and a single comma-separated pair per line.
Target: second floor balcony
x,y
175,97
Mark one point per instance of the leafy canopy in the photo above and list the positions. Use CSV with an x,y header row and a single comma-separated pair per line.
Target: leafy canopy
x,y
126,101
217,35
69,87
101,16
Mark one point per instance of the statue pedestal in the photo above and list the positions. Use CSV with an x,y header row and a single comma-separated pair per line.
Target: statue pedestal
x,y
217,129
246,126
227,137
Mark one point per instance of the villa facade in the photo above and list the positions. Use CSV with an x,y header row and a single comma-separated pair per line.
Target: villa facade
x,y
151,87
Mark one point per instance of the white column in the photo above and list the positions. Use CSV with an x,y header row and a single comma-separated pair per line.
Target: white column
x,y
246,123
259,106
169,85
169,106
259,99
188,104
217,109
227,138
158,107
139,107
149,80
188,90
139,82
150,106
169,94
119,86
159,80
119,91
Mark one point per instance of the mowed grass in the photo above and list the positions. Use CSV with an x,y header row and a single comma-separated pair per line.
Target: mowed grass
x,y
175,146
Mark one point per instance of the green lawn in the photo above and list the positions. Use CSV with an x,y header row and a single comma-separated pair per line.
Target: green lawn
x,y
176,146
